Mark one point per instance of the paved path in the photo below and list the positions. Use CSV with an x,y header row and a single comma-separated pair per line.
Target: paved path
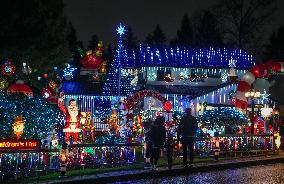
x,y
163,171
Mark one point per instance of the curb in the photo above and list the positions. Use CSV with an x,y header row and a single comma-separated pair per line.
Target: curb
x,y
173,172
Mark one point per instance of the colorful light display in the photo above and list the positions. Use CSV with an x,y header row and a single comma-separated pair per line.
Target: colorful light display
x,y
68,72
39,115
24,144
187,57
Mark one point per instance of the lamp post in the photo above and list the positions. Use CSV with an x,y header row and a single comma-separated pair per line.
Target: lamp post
x,y
252,94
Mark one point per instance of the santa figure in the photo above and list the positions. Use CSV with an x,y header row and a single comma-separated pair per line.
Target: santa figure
x,y
73,116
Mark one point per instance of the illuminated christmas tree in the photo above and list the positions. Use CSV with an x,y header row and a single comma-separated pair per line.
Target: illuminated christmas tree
x,y
219,118
118,81
38,114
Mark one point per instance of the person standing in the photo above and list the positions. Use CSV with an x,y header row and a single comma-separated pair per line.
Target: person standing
x,y
169,145
186,133
147,126
157,136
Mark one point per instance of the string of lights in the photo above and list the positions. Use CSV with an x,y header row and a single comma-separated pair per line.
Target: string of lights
x,y
38,114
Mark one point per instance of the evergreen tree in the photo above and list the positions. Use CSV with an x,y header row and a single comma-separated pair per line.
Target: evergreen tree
x,y
185,33
116,83
39,115
206,32
130,40
73,42
149,39
274,50
157,37
244,21
93,43
34,32
71,36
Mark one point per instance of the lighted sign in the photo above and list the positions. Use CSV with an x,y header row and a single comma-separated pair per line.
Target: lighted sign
x,y
25,144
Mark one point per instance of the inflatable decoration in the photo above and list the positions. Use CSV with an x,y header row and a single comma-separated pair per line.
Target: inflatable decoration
x,y
256,77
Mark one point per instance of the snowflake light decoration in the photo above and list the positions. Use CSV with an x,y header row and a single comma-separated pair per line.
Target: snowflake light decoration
x,y
232,63
120,30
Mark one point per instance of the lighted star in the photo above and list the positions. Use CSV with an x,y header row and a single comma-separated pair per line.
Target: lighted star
x,y
120,29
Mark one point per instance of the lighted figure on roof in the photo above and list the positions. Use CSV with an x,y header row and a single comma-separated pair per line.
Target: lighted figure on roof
x,y
93,60
68,72
73,116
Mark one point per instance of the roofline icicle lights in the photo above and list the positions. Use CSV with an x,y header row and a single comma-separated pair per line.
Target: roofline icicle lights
x,y
187,57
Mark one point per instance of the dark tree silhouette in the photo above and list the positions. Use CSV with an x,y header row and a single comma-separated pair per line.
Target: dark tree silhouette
x,y
149,39
244,21
73,42
130,40
34,32
185,33
206,31
71,36
157,37
274,50
93,43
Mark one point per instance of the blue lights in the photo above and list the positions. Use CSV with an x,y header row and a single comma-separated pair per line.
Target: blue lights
x,y
121,30
116,83
187,57
39,115
68,72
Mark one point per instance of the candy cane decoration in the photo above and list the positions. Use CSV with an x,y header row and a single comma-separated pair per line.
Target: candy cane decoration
x,y
258,71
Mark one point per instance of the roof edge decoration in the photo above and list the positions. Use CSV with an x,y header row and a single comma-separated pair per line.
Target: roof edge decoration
x,y
147,56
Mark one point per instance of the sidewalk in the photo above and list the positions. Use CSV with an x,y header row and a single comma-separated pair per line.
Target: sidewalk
x,y
128,175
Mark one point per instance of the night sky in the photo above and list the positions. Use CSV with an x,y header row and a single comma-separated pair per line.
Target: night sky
x,y
101,17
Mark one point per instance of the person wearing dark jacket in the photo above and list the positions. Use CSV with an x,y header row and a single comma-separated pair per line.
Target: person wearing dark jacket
x,y
147,126
186,132
157,136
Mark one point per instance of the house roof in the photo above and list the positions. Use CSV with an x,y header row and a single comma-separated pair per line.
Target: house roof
x,y
190,91
147,56
86,88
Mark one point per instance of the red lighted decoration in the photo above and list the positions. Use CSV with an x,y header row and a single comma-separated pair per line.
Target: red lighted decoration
x,y
25,144
247,80
130,101
168,106
20,87
8,68
91,62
